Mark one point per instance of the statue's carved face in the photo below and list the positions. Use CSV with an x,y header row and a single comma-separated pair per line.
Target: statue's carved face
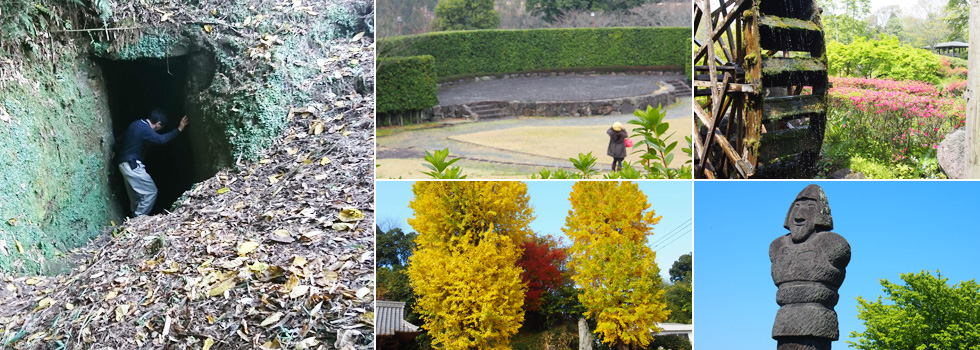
x,y
801,219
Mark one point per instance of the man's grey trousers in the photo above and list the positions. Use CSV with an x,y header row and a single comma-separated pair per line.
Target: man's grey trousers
x,y
139,184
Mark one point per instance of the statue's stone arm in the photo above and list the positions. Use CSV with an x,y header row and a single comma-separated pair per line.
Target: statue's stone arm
x,y
841,252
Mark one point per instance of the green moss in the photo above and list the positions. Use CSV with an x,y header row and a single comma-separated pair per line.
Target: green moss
x,y
148,46
788,23
250,109
775,66
752,145
54,159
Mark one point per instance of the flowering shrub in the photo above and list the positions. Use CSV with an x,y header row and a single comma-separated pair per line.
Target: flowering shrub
x,y
891,124
908,86
951,70
955,89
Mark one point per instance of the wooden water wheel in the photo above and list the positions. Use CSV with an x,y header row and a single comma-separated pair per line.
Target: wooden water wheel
x,y
760,79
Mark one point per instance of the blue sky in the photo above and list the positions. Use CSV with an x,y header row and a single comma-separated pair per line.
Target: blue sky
x,y
671,199
893,227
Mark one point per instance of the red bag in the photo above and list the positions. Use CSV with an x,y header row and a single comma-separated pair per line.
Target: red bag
x,y
628,143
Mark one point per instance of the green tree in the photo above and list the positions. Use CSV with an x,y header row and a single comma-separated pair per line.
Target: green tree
x,y
928,27
465,15
551,10
846,20
957,18
464,268
679,292
678,298
619,279
894,26
393,284
681,270
394,247
924,313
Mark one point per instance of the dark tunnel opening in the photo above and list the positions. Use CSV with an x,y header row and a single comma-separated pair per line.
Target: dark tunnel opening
x,y
134,89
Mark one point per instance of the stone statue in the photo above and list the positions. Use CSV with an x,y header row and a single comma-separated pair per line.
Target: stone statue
x,y
808,267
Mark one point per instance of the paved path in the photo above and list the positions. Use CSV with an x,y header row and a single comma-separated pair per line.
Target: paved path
x,y
513,147
559,88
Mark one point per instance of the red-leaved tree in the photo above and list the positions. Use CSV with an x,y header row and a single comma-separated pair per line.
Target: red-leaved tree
x,y
542,270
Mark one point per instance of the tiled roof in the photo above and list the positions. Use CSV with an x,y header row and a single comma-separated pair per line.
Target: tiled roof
x,y
391,318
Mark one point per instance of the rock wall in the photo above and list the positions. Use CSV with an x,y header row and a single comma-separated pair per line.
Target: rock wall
x,y
622,105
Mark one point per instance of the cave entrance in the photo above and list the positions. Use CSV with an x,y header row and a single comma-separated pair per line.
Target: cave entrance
x,y
134,89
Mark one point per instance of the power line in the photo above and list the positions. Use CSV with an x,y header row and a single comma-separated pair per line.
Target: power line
x,y
672,231
676,230
661,245
675,239
679,231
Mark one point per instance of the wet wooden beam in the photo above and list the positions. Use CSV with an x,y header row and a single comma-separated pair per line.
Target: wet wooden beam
x,y
785,143
777,109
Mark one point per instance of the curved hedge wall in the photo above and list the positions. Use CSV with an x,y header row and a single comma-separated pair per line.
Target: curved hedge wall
x,y
409,84
476,52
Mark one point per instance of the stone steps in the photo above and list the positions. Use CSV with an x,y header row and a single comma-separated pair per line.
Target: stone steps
x,y
681,88
487,109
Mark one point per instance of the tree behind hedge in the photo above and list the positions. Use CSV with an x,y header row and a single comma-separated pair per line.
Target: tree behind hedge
x,y
465,15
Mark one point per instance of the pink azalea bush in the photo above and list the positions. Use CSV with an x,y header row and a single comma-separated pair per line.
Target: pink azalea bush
x,y
948,70
908,86
955,89
905,118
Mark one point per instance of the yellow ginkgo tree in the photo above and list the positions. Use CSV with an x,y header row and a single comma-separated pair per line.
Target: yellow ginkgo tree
x,y
619,281
464,268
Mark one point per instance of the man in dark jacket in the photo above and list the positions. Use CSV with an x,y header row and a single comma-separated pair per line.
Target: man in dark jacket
x,y
132,148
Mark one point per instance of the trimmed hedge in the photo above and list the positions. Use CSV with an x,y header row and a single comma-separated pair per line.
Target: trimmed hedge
x,y
408,84
478,52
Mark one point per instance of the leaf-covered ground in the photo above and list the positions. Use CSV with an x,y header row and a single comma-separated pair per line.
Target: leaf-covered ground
x,y
276,254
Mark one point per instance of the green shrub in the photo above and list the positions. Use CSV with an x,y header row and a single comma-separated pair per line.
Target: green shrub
x,y
671,342
478,52
885,58
957,62
408,83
